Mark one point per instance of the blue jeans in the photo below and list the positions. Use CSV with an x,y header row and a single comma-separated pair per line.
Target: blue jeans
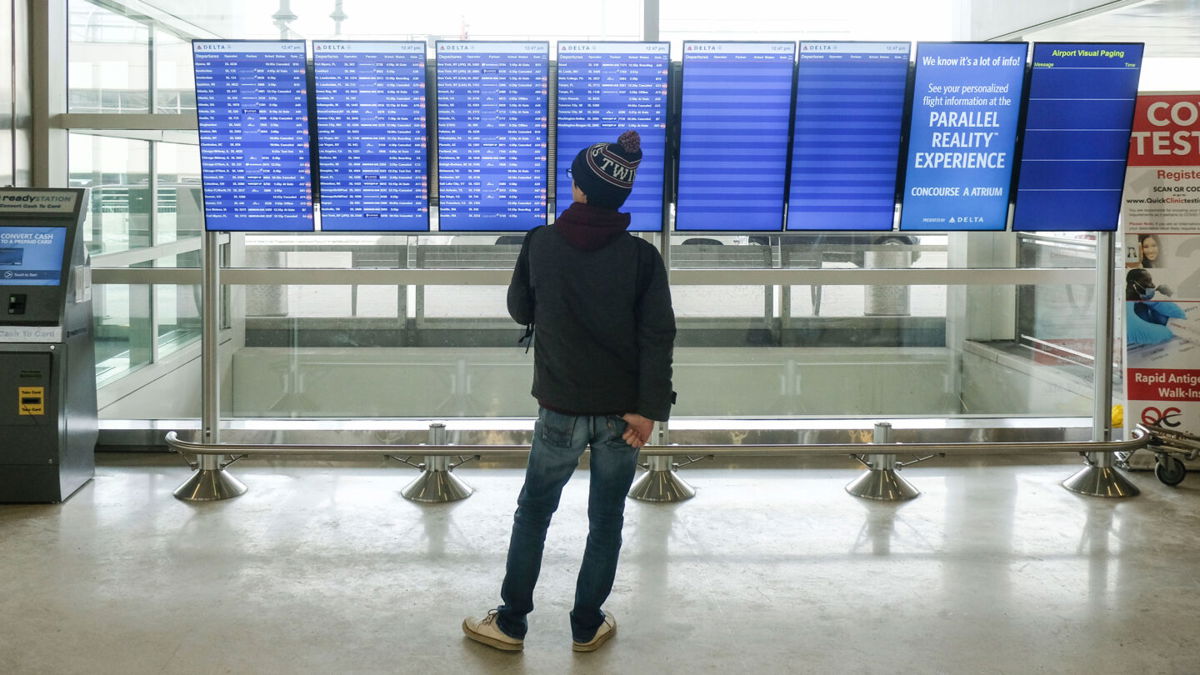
x,y
558,441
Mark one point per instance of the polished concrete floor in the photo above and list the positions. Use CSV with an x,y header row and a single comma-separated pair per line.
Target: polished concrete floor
x,y
772,568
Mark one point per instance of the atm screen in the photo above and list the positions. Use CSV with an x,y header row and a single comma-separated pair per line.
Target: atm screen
x,y
31,256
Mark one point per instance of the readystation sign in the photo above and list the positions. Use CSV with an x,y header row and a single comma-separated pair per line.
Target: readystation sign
x,y
38,201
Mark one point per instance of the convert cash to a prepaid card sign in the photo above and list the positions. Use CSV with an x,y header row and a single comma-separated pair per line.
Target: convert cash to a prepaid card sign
x,y
966,103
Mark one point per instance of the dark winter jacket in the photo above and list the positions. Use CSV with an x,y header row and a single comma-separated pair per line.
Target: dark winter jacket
x,y
604,329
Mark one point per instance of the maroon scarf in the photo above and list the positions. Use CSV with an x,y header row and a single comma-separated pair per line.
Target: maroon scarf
x,y
589,227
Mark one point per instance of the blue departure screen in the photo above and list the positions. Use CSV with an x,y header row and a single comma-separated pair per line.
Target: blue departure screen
x,y
1077,126
737,103
370,104
252,112
966,103
492,100
32,256
605,88
846,143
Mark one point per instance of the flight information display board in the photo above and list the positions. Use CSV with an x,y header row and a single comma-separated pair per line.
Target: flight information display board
x,y
371,148
965,109
32,256
492,100
734,125
605,88
846,143
252,113
1077,126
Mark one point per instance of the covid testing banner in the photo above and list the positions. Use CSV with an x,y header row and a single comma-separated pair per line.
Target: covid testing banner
x,y
965,109
1162,263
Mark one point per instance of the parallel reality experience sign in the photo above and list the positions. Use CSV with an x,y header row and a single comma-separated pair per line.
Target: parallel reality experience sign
x,y
966,105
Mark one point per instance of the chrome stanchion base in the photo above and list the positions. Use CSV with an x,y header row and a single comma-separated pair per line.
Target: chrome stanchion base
x,y
210,485
661,485
1101,481
884,485
437,486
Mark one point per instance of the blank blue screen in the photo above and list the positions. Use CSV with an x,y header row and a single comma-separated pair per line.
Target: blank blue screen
x,y
966,104
1081,99
604,89
492,103
252,113
370,105
737,101
846,143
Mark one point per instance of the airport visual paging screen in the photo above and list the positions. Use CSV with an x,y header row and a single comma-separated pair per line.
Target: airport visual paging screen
x,y
32,256
492,101
734,125
1077,126
846,142
252,113
605,88
371,149
965,109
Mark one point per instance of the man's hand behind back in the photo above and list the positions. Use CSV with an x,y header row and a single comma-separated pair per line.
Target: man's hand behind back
x,y
639,430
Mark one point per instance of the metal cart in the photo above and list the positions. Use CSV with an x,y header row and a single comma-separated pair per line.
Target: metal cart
x,y
1170,448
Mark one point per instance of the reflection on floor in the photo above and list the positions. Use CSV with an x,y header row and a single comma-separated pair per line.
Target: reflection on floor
x,y
772,568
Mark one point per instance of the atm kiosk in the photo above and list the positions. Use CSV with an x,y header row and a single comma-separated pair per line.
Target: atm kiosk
x,y
47,357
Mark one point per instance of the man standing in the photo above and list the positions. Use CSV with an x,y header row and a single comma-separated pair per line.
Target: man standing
x,y
603,343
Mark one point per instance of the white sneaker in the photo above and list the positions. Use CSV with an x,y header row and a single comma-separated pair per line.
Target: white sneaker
x,y
485,631
603,633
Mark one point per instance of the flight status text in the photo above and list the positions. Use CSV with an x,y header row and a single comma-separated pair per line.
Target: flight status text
x,y
605,89
492,100
252,110
371,149
737,101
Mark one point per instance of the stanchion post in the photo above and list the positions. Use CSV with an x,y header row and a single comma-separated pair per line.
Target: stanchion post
x,y
661,481
1101,478
436,484
211,482
881,482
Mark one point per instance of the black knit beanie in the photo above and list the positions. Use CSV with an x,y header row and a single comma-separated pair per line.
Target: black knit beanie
x,y
605,171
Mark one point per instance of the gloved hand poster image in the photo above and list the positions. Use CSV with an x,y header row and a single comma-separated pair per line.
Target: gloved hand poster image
x,y
965,109
1162,325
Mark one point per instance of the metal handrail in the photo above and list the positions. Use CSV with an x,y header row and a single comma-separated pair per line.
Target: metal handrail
x,y
920,276
1140,439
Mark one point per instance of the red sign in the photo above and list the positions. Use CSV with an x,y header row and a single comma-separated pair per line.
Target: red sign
x,y
1163,384
1166,131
